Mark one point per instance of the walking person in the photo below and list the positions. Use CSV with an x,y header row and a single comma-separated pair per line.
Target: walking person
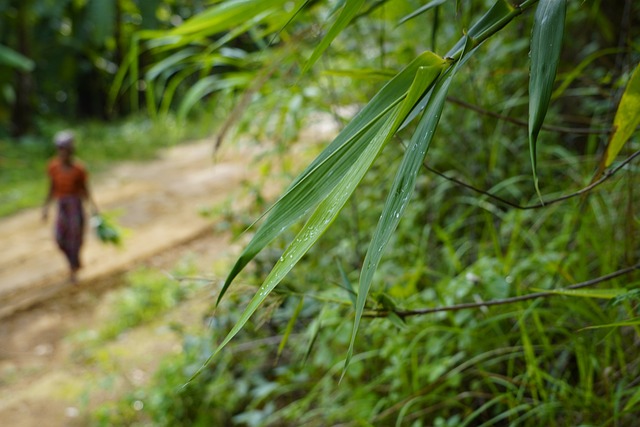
x,y
68,185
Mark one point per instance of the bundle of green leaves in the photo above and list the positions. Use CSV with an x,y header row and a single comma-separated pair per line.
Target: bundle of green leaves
x,y
106,229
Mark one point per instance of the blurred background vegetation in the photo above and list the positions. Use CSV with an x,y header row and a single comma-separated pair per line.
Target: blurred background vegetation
x,y
134,76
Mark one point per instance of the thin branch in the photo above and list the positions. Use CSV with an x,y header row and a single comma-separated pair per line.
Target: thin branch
x,y
504,301
546,203
551,128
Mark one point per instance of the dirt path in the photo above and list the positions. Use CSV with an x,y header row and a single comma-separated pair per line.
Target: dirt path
x,y
159,205
158,202
41,382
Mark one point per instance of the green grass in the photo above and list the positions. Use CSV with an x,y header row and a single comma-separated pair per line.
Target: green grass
x,y
530,363
23,182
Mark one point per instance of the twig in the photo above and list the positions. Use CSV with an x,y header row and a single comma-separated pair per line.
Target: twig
x,y
580,192
504,301
552,128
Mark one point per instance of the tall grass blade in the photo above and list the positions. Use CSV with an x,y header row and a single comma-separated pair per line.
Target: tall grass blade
x,y
627,118
328,169
351,7
589,293
289,328
631,322
546,45
346,284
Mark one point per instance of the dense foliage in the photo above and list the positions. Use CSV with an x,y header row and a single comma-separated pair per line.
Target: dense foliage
x,y
454,289
469,319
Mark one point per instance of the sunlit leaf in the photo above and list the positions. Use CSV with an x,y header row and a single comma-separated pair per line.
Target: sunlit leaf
x,y
627,118
225,16
350,9
13,59
546,45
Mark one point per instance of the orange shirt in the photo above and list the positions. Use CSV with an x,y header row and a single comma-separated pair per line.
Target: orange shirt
x,y
67,181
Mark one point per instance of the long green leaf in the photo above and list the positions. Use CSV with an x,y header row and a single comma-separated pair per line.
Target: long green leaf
x,y
208,85
403,185
317,224
350,9
225,16
627,118
419,11
546,45
323,174
169,62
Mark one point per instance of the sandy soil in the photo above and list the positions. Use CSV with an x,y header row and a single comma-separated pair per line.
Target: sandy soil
x,y
158,202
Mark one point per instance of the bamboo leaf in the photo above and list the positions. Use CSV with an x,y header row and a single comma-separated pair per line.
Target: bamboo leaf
x,y
324,173
225,16
546,45
500,14
375,137
349,10
317,224
404,182
432,4
627,118
208,85
169,62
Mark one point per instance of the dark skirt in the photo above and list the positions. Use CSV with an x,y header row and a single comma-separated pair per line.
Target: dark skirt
x,y
70,228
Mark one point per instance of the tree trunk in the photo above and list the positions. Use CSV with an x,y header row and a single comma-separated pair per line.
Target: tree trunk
x,y
21,117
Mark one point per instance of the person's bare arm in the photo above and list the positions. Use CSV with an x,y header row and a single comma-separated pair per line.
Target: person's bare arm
x,y
47,201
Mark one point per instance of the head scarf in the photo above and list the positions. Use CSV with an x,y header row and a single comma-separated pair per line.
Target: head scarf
x,y
64,139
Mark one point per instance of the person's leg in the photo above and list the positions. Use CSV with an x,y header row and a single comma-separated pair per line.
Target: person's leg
x,y
70,231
